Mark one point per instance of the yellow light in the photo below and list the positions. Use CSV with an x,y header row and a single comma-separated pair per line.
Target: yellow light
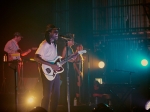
x,y
101,64
31,99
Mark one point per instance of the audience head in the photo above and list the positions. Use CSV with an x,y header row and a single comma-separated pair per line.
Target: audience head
x,y
101,107
38,109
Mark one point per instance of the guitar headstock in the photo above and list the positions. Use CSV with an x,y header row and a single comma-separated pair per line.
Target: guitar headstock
x,y
34,48
82,51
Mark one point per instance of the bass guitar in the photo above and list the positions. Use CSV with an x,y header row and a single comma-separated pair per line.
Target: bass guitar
x,y
49,73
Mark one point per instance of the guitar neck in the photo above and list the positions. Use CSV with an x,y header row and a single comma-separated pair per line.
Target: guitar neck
x,y
67,59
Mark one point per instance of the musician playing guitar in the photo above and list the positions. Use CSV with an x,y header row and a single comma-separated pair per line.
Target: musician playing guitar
x,y
14,53
13,49
51,66
51,63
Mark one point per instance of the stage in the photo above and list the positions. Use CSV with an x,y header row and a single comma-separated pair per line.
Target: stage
x,y
121,97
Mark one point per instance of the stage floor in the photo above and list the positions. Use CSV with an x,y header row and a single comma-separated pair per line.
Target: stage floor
x,y
7,104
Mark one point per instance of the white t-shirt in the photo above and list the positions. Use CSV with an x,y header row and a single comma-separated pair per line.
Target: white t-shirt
x,y
47,51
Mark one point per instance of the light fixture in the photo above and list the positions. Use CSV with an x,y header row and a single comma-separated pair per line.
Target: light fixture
x,y
144,62
101,64
31,99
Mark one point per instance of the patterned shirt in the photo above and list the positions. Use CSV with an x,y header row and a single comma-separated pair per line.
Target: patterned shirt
x,y
11,46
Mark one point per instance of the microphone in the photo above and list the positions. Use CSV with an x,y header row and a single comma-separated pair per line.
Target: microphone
x,y
64,38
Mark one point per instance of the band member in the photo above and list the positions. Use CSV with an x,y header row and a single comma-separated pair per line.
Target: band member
x,y
13,49
14,52
46,52
78,66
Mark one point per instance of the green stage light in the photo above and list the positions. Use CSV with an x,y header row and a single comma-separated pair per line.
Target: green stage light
x,y
144,62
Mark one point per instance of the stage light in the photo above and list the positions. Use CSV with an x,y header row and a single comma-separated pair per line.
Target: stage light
x,y
99,80
147,106
101,64
144,62
31,99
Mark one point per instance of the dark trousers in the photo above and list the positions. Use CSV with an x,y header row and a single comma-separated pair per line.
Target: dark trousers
x,y
51,92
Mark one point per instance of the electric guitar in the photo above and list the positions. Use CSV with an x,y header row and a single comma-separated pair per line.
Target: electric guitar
x,y
49,73
19,53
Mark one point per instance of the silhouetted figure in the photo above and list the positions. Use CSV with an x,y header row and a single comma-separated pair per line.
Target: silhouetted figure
x,y
38,109
101,107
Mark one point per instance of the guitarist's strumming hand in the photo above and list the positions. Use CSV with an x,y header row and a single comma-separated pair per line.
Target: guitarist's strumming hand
x,y
54,66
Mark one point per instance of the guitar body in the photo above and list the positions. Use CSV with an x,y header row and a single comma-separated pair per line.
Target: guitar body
x,y
49,73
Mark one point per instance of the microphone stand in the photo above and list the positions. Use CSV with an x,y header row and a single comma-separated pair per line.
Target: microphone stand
x,y
130,73
130,82
89,93
16,88
16,85
68,93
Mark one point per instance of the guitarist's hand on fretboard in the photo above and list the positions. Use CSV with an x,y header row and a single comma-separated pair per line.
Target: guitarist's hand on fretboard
x,y
25,52
73,57
28,51
34,48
